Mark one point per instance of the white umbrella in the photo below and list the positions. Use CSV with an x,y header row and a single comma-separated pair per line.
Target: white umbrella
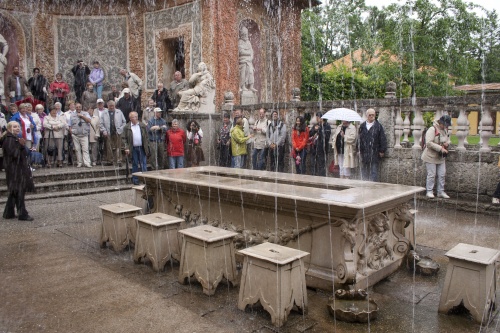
x,y
342,114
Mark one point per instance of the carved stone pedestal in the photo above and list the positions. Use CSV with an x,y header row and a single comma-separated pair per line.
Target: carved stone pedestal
x,y
248,97
157,239
208,254
118,225
275,276
470,278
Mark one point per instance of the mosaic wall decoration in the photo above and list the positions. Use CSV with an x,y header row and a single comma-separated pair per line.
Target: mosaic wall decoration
x,y
92,38
171,18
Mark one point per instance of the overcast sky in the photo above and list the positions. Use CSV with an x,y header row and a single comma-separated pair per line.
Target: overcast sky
x,y
488,4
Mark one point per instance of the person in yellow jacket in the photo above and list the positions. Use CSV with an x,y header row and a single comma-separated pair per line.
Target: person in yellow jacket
x,y
238,144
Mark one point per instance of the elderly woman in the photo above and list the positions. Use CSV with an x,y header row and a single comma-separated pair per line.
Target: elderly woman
x,y
94,135
194,152
18,172
175,140
54,126
239,144
434,155
38,123
344,148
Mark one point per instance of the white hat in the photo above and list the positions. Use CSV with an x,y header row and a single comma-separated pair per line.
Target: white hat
x,y
100,100
126,91
158,110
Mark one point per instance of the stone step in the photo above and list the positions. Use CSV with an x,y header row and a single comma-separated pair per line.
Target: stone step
x,y
73,185
43,175
483,206
72,193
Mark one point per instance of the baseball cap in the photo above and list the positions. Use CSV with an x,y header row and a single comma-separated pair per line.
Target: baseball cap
x,y
100,100
445,120
126,91
158,110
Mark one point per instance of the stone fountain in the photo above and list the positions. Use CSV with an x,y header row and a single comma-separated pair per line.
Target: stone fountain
x,y
357,232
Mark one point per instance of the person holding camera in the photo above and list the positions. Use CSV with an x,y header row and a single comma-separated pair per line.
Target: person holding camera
x,y
81,72
79,124
434,155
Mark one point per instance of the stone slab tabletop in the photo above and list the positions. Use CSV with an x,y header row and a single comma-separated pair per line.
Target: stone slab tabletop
x,y
274,253
351,193
208,233
119,208
159,219
473,253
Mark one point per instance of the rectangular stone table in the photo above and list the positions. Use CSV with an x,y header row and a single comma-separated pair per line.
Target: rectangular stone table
x,y
470,279
118,225
157,239
273,275
356,232
208,254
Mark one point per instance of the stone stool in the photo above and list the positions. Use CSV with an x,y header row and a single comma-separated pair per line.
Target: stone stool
x,y
157,239
118,225
138,200
208,254
470,278
275,276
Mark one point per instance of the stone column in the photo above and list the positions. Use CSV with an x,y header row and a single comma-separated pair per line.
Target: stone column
x,y
386,119
418,125
462,129
485,129
406,126
398,129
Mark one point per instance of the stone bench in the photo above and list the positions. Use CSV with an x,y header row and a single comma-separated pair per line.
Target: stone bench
x,y
138,200
275,276
118,225
470,279
157,239
208,254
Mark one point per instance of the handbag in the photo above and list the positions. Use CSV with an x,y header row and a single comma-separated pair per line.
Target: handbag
x,y
51,151
333,168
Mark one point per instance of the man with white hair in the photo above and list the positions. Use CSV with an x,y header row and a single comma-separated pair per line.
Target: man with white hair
x,y
177,85
372,146
135,142
79,125
112,124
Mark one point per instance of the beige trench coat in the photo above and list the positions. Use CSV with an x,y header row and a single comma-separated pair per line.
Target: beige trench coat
x,y
350,153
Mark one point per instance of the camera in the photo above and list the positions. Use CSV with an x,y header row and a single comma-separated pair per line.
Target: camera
x,y
443,154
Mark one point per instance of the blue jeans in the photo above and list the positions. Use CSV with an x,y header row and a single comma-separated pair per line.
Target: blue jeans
x,y
369,171
138,159
176,162
98,91
237,161
259,159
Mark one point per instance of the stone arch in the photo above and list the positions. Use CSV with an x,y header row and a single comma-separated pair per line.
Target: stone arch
x,y
13,32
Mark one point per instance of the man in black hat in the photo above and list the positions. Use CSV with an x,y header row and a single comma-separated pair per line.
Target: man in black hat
x,y
372,146
81,72
319,138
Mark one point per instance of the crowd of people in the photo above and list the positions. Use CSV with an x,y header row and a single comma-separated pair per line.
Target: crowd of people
x,y
90,131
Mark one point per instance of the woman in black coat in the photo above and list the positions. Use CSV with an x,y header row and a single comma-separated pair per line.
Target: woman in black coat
x,y
18,172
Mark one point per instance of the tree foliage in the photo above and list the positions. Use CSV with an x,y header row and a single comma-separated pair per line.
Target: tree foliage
x,y
425,46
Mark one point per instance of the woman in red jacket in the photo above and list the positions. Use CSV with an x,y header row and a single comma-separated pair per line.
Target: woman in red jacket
x,y
59,90
175,140
300,135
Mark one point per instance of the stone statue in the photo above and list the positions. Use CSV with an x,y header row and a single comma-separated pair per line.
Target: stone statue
x,y
4,48
202,87
245,53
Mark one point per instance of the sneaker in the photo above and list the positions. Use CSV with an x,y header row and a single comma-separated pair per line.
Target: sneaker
x,y
32,169
495,201
443,195
79,166
429,195
93,164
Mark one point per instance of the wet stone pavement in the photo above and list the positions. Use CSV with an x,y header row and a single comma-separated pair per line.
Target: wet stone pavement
x,y
56,278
